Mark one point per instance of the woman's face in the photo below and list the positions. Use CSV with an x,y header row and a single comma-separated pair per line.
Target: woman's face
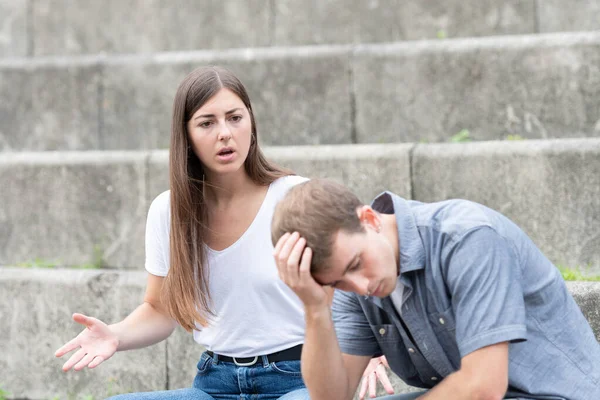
x,y
220,133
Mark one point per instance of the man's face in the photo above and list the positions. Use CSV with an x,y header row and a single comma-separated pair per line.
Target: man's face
x,y
363,263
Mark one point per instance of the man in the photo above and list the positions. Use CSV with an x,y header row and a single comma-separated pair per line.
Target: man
x,y
455,295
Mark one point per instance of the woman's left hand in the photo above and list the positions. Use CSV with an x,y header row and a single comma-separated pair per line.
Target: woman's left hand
x,y
375,369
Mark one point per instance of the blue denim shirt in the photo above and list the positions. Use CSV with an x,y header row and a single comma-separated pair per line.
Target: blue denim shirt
x,y
472,278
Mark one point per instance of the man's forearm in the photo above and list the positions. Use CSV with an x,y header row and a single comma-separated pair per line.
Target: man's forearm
x,y
460,385
322,364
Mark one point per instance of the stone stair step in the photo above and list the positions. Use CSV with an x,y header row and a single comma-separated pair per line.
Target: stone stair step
x,y
535,86
59,27
39,304
88,209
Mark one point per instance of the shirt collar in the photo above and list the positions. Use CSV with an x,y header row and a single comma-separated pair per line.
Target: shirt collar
x,y
412,252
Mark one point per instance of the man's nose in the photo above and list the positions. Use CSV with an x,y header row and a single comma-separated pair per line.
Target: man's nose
x,y
358,284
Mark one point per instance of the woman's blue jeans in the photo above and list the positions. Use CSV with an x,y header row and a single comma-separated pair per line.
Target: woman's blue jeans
x,y
224,380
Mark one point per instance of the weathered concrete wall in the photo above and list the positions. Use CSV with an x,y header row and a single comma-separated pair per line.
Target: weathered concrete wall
x,y
360,21
63,26
14,33
38,304
36,308
536,86
50,106
572,15
551,189
73,207
60,27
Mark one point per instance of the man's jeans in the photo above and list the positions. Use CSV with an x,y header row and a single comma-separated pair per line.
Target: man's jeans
x,y
223,380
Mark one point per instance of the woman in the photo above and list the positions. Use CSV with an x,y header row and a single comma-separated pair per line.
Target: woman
x,y
209,257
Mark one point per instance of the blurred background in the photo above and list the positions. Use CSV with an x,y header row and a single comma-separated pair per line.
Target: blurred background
x,y
496,101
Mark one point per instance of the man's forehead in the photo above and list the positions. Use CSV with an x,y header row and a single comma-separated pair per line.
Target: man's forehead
x,y
336,268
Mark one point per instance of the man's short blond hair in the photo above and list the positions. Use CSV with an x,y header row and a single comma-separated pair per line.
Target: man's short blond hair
x,y
317,209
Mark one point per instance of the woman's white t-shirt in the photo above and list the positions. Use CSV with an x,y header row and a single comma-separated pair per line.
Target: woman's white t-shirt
x,y
256,313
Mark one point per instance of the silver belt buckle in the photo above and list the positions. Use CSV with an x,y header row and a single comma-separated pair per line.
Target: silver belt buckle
x,y
247,364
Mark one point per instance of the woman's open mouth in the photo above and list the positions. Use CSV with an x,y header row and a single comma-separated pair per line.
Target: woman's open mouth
x,y
226,154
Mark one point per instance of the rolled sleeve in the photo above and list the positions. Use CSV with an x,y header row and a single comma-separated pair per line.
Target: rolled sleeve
x,y
484,279
353,330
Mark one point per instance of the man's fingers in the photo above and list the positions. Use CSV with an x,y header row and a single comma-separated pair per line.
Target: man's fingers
x,y
287,247
95,362
385,380
281,242
363,388
281,255
304,269
84,361
69,346
372,385
74,360
284,252
293,261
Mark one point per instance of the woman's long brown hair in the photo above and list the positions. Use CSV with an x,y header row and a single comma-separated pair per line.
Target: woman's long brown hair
x,y
185,290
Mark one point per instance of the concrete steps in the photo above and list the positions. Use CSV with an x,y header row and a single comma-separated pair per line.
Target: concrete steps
x,y
86,94
49,27
82,208
536,86
38,304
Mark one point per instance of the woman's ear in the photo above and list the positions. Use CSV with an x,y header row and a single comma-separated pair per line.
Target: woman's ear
x,y
369,218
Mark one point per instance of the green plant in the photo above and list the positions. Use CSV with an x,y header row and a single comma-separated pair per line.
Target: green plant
x,y
4,394
97,261
573,274
87,397
110,390
98,257
461,137
441,34
514,137
39,263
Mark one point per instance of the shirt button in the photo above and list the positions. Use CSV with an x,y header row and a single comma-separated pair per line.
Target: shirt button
x,y
411,350
433,378
382,331
442,321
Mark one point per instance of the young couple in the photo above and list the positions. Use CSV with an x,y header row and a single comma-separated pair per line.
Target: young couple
x,y
210,261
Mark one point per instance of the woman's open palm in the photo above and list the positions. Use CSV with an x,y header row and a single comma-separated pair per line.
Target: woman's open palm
x,y
95,344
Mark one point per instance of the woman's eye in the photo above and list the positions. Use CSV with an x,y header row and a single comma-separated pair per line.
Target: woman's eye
x,y
205,124
236,118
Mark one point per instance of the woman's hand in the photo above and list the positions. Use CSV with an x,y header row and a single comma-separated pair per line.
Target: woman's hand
x,y
96,344
375,369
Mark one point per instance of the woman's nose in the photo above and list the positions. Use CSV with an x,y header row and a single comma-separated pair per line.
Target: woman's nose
x,y
224,131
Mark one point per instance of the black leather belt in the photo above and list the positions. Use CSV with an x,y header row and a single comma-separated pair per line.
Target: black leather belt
x,y
291,354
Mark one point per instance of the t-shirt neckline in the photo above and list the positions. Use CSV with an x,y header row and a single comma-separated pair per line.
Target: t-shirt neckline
x,y
247,231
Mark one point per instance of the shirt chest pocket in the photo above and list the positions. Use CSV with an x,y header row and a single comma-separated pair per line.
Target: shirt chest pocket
x,y
444,326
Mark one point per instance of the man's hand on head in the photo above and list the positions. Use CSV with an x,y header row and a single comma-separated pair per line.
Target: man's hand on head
x,y
293,259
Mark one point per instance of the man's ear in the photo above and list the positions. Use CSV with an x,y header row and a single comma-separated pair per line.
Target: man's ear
x,y
369,217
